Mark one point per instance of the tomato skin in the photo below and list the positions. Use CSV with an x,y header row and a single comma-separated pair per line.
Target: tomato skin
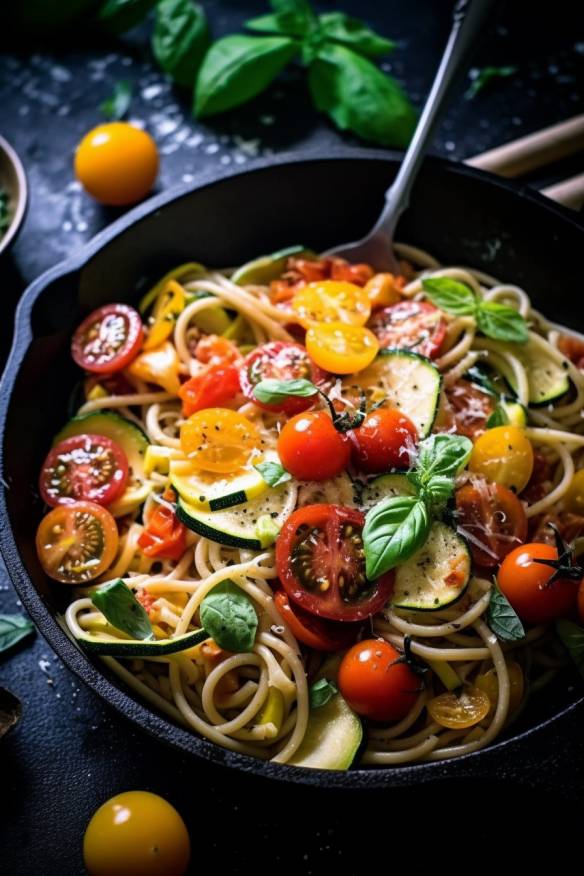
x,y
492,515
374,684
164,536
215,350
108,339
210,389
331,301
470,407
311,449
282,361
219,440
63,551
341,348
321,566
503,455
87,460
313,631
412,325
384,441
524,581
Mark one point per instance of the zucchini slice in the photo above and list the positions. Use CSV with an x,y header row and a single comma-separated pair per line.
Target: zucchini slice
x,y
137,648
211,492
332,739
383,487
437,575
407,381
254,525
547,376
263,270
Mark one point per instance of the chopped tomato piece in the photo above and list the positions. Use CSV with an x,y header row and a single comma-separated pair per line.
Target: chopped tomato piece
x,y
470,408
210,389
164,536
215,350
573,348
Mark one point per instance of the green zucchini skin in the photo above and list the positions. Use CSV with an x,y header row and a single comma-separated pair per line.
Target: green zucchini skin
x,y
419,585
196,521
333,737
136,648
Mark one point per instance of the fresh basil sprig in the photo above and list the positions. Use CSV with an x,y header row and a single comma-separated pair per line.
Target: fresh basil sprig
x,y
502,618
13,628
122,610
499,417
273,473
228,615
493,319
119,16
116,106
355,34
321,692
573,638
272,392
180,39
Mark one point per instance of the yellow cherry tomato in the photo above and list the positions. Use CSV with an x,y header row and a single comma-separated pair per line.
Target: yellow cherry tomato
x,y
489,683
503,455
117,163
219,440
169,304
331,301
381,290
574,498
136,834
341,348
459,712
159,366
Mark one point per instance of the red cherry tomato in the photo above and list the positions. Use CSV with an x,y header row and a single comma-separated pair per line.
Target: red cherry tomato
x,y
280,361
470,407
410,325
526,585
385,440
311,449
374,684
210,389
164,536
321,565
108,339
342,270
313,631
85,467
492,519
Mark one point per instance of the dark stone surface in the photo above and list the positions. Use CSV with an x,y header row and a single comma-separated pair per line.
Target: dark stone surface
x,y
71,752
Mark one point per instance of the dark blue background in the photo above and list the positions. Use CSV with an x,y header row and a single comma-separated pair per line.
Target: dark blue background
x,y
70,751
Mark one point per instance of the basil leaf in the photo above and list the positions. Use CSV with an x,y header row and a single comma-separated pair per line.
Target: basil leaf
x,y
321,692
13,628
236,68
118,16
293,16
442,455
122,610
502,619
10,710
228,615
450,295
501,322
394,530
116,106
355,34
498,418
439,489
573,638
359,97
273,473
4,214
485,75
180,39
271,391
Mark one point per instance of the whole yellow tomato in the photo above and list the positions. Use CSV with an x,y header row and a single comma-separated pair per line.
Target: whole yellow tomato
x,y
117,163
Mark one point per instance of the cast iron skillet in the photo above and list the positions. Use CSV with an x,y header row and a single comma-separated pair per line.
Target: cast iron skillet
x,y
459,214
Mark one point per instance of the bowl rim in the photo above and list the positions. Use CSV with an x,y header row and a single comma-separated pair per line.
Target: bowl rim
x,y
477,763
22,196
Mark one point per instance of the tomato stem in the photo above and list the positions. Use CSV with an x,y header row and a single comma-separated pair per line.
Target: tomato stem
x,y
564,566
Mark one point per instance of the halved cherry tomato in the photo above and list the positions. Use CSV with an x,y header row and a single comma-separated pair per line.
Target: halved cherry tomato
x,y
219,440
384,289
525,583
76,543
163,536
322,635
311,449
341,348
385,440
215,350
489,683
331,301
212,388
90,467
470,407
410,325
108,339
321,564
492,519
376,682
280,361
503,455
459,711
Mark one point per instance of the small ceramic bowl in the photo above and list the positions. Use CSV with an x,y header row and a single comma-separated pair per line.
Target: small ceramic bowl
x,y
13,182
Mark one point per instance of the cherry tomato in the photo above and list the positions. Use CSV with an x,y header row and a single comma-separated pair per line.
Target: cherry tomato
x,y
503,455
410,325
164,536
383,290
573,348
76,543
280,361
219,440
311,449
215,350
341,348
322,635
457,712
108,339
321,564
470,407
574,498
385,440
526,585
331,301
213,387
136,834
492,519
342,270
117,163
90,467
375,682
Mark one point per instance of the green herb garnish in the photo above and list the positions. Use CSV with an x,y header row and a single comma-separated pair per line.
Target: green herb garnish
x,y
122,610
485,75
273,473
116,106
228,615
180,39
502,618
13,628
321,692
